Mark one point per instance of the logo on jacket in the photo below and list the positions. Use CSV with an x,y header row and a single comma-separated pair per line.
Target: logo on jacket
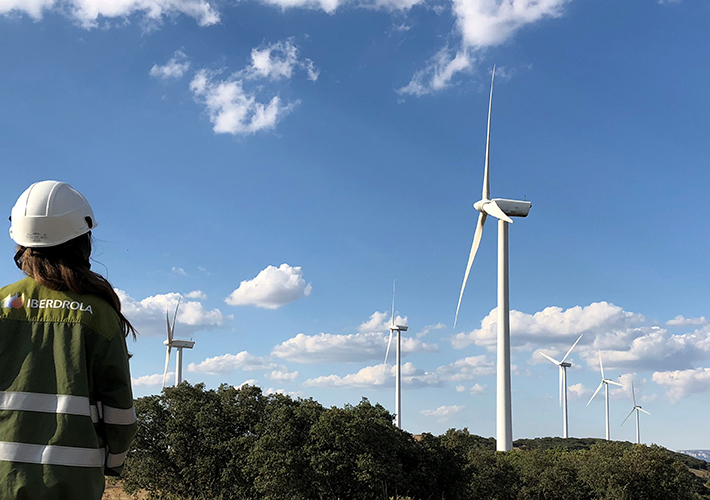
x,y
14,301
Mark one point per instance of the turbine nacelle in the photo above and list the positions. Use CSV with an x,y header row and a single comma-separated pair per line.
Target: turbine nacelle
x,y
180,344
400,328
511,208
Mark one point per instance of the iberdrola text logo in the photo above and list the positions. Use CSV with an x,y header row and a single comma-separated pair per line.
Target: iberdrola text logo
x,y
14,301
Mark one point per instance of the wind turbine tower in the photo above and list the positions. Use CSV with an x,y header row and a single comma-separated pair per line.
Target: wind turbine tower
x,y
636,409
398,378
179,345
605,382
502,210
563,386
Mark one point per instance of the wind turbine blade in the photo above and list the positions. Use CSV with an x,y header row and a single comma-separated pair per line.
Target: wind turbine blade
x,y
474,248
570,349
388,348
492,208
633,393
550,358
595,393
601,366
627,417
167,364
167,319
560,377
486,195
615,383
391,318
641,409
172,330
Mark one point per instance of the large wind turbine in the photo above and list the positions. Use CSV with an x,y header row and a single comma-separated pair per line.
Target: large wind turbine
x,y
605,382
502,210
398,383
179,345
636,409
563,386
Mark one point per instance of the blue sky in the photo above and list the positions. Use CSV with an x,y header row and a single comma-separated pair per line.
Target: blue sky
x,y
276,165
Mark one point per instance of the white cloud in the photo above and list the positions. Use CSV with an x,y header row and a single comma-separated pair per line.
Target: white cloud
x,y
227,363
251,381
284,392
378,376
87,13
682,383
232,109
680,320
439,72
487,23
378,322
578,391
282,375
148,315
442,412
151,380
175,68
272,288
552,324
179,270
467,368
429,328
278,61
330,348
330,6
460,388
197,295
478,389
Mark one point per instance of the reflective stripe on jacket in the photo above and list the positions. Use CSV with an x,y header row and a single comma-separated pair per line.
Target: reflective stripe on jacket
x,y
66,406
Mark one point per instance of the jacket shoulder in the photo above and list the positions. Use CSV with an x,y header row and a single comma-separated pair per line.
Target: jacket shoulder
x,y
27,300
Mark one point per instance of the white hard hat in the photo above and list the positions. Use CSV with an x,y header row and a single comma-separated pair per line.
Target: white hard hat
x,y
50,213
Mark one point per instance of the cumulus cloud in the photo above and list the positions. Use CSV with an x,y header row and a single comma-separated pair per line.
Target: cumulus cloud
x,y
197,295
151,380
234,110
227,363
179,270
330,348
378,322
330,6
282,375
148,315
442,412
487,23
272,288
175,68
467,368
477,389
578,391
552,325
681,320
378,376
87,13
682,383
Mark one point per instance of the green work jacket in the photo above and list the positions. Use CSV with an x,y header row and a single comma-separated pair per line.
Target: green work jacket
x,y
66,405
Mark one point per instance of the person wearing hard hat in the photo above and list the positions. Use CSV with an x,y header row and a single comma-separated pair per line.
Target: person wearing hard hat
x,y
66,406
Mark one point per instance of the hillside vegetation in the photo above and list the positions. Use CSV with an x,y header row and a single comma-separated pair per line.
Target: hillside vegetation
x,y
234,443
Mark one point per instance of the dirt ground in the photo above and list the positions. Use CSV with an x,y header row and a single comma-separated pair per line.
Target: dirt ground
x,y
114,491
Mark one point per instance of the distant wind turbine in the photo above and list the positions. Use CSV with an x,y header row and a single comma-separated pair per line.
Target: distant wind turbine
x,y
502,210
179,345
605,382
563,385
636,409
398,383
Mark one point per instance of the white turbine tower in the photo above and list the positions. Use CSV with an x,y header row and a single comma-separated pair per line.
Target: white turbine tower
x,y
636,409
398,383
563,386
179,345
605,382
502,210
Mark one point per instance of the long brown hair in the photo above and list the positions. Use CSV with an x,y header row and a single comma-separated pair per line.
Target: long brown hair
x,y
67,267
